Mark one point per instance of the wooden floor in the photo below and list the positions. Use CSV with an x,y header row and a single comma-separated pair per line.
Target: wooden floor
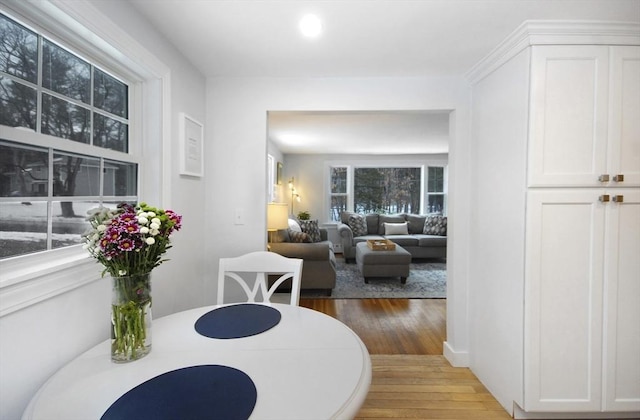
x,y
411,378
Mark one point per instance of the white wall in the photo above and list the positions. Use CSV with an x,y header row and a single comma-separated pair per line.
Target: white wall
x,y
500,109
38,340
237,116
311,177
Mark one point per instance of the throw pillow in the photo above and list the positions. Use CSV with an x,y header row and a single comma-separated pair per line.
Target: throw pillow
x,y
358,224
294,226
299,237
396,228
310,227
435,225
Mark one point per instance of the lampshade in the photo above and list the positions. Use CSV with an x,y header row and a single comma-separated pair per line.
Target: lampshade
x,y
277,216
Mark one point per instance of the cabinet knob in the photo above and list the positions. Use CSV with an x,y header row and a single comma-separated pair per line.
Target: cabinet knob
x,y
618,198
603,178
604,198
618,178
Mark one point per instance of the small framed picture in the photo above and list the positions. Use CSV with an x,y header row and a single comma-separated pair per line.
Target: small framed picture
x,y
279,173
191,146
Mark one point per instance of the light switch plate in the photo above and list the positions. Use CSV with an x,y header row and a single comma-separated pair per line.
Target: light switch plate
x,y
238,217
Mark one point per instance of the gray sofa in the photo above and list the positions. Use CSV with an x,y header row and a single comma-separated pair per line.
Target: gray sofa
x,y
426,234
319,266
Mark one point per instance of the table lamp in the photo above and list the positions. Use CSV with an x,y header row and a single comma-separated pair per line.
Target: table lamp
x,y
277,218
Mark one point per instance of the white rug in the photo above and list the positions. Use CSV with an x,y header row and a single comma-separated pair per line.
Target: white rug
x,y
427,279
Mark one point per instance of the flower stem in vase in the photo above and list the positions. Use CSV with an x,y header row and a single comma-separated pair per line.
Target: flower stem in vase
x,y
131,318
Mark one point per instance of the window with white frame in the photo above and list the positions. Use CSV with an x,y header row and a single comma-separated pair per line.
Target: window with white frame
x,y
65,148
366,189
338,195
435,190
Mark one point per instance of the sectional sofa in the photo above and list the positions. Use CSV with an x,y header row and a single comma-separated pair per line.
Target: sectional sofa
x,y
424,236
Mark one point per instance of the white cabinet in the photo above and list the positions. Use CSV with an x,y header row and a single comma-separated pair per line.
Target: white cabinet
x,y
555,299
622,307
582,263
585,108
582,321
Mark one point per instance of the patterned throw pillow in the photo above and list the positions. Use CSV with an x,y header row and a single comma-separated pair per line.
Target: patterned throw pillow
x,y
298,237
435,225
310,227
358,224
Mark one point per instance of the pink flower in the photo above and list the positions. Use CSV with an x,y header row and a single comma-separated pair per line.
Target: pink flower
x,y
126,245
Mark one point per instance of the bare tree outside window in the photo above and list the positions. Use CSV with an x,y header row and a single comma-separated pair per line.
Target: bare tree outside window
x,y
45,192
387,190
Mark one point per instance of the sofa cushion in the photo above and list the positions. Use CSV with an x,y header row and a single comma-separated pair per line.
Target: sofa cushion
x,y
385,218
298,237
311,228
396,228
403,240
435,225
416,223
372,223
358,224
431,240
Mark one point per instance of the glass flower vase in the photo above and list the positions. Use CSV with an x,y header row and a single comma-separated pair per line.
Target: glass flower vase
x,y
130,317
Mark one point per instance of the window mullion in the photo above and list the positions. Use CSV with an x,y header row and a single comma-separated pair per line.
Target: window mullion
x,y
50,184
39,86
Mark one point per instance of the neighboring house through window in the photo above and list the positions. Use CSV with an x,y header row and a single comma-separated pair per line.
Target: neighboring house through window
x,y
68,147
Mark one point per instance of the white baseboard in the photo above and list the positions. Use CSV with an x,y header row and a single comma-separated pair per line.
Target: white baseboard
x,y
521,414
456,358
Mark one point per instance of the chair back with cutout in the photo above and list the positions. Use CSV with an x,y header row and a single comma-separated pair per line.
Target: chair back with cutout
x,y
259,266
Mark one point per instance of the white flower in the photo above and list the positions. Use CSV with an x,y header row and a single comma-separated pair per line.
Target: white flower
x,y
144,230
154,232
151,214
122,272
101,228
150,241
154,226
156,220
143,220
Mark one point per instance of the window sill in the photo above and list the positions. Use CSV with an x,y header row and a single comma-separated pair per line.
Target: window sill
x,y
31,279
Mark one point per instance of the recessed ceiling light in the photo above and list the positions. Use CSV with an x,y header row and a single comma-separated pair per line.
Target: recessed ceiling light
x,y
310,26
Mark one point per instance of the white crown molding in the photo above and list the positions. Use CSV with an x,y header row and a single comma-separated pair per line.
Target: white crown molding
x,y
534,32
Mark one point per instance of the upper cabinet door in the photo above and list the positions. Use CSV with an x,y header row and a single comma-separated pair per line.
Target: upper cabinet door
x,y
569,110
624,116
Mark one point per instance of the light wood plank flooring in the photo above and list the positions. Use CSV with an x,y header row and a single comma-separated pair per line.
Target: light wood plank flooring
x,y
411,378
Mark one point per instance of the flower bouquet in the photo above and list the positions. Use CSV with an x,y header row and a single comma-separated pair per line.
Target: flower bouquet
x,y
130,242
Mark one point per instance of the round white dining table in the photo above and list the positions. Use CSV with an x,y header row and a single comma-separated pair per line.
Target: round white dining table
x,y
308,366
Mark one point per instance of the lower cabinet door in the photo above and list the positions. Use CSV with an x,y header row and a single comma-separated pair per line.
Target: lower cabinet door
x,y
564,300
622,303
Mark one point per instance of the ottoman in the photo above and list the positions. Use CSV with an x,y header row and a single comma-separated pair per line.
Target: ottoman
x,y
382,263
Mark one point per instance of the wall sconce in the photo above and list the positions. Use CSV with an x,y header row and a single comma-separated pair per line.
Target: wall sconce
x,y
294,194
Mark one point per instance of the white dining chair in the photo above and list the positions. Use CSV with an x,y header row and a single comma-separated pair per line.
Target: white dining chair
x,y
259,266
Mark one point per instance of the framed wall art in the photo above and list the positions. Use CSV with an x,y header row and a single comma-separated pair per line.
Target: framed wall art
x,y
279,173
191,146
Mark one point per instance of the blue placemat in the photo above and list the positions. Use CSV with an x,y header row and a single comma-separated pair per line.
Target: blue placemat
x,y
195,392
237,321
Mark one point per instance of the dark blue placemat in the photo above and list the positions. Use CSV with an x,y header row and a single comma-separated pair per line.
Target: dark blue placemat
x,y
237,321
195,392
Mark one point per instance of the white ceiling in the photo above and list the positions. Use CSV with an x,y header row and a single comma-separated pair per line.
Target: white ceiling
x,y
359,132
361,38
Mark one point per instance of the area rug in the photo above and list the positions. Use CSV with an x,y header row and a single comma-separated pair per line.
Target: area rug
x,y
427,279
